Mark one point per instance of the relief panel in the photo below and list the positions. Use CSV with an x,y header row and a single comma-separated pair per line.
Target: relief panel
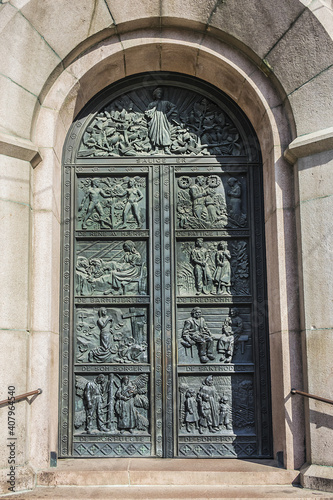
x,y
214,335
111,203
111,268
161,121
111,335
112,403
216,405
211,202
213,267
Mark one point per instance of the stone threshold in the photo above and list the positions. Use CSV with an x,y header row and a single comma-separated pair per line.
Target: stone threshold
x,y
210,492
173,472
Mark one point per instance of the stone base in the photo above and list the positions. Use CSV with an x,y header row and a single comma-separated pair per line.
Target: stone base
x,y
318,477
169,493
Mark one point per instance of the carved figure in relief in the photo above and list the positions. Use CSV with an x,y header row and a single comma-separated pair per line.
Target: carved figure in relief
x,y
103,353
95,399
202,273
222,275
198,193
130,396
195,332
189,125
118,274
159,127
134,195
205,267
231,333
225,411
83,285
234,195
191,410
117,341
208,402
94,203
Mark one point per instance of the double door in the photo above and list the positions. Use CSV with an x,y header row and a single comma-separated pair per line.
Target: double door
x,y
164,334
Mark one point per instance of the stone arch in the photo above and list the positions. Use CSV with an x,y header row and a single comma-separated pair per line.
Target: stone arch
x,y
263,105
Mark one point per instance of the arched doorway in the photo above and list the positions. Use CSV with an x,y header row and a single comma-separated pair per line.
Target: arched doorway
x,y
164,346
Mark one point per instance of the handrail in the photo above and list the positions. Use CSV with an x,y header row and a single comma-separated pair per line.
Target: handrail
x,y
15,399
312,396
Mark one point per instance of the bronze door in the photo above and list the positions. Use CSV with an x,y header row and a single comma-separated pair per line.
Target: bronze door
x,y
164,329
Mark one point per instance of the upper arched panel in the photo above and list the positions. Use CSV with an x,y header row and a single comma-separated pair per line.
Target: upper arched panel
x,y
162,114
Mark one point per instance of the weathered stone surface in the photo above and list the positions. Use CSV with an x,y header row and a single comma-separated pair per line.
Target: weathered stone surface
x,y
317,113
200,11
46,271
316,476
28,52
319,345
13,97
306,41
14,274
316,258
75,21
13,372
124,11
310,144
246,22
43,413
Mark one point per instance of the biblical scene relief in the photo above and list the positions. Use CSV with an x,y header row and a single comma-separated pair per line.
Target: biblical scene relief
x,y
210,335
112,203
213,267
112,404
161,121
111,335
111,268
210,202
218,405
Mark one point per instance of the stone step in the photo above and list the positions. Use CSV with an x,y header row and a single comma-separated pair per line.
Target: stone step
x,y
197,492
150,472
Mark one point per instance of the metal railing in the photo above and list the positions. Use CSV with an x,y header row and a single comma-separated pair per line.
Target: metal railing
x,y
15,399
311,396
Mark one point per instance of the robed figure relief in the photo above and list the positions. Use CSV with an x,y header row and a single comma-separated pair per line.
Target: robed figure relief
x,y
159,114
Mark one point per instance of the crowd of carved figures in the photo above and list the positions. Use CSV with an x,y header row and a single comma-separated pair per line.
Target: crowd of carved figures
x,y
112,403
203,202
148,123
115,336
196,334
112,203
208,406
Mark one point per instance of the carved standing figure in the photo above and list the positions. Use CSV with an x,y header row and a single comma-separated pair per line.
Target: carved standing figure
x,y
202,273
158,114
195,332
191,410
222,275
208,400
134,195
124,406
198,193
103,353
93,194
235,194
95,400
225,413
